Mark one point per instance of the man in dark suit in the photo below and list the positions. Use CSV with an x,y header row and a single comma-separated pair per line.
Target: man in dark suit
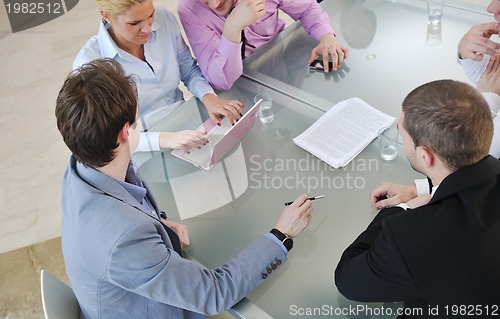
x,y
442,257
122,254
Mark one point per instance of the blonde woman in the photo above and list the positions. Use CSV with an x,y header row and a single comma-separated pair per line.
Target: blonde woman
x,y
146,40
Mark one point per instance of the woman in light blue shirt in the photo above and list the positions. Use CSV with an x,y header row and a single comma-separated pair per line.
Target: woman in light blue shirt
x,y
147,42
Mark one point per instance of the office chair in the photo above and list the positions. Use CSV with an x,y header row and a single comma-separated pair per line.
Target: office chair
x,y
58,299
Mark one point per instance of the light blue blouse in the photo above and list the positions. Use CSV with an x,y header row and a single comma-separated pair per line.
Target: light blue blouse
x,y
169,57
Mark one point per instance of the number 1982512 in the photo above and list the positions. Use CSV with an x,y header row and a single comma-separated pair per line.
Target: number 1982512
x,y
34,8
472,310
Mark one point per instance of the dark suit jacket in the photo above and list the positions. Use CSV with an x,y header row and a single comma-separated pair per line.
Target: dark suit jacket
x,y
443,253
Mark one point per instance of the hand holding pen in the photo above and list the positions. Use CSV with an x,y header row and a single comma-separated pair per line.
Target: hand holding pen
x,y
295,217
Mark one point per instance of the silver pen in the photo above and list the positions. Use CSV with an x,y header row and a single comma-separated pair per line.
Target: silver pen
x,y
309,198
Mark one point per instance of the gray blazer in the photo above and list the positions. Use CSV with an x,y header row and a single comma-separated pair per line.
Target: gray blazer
x,y
121,263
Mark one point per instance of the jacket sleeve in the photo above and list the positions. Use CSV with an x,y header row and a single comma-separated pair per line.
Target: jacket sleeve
x,y
159,273
372,269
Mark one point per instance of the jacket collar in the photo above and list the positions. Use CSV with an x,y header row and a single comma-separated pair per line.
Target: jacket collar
x,y
109,185
467,177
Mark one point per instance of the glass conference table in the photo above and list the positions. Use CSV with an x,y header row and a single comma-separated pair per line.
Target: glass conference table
x,y
392,50
241,198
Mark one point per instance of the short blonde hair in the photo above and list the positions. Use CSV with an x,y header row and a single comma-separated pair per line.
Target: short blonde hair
x,y
116,7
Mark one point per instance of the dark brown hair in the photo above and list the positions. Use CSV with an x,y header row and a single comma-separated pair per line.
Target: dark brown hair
x,y
450,118
94,103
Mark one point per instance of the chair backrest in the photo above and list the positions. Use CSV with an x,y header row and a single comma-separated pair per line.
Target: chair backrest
x,y
58,299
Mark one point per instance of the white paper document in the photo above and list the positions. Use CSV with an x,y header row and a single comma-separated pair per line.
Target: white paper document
x,y
343,132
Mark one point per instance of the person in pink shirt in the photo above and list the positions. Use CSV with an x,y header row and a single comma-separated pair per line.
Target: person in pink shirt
x,y
215,27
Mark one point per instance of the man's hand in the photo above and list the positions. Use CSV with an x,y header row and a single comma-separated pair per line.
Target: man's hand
x,y
244,14
390,194
329,45
490,80
295,217
181,231
183,140
476,42
218,108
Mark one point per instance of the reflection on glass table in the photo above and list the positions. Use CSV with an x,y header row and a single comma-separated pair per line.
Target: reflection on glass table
x,y
391,52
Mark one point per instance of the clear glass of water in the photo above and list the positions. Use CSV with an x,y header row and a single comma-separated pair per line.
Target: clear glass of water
x,y
266,114
434,35
435,11
388,143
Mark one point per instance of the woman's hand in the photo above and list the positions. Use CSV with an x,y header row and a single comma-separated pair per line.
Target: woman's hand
x,y
218,108
183,140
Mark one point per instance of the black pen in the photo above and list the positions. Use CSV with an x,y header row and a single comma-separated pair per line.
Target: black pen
x,y
310,198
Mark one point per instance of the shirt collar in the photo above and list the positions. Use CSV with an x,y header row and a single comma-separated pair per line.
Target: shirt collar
x,y
108,47
434,189
137,191
108,184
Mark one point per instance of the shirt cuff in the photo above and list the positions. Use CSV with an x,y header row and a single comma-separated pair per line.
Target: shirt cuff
x,y
276,240
403,206
422,186
493,100
206,94
320,31
150,141
201,89
228,48
474,69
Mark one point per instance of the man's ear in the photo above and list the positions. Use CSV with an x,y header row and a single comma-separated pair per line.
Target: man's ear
x,y
426,156
123,135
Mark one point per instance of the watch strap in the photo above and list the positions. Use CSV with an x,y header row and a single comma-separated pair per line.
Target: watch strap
x,y
278,234
284,239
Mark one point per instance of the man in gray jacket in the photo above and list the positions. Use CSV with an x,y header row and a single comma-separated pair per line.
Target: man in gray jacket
x,y
122,255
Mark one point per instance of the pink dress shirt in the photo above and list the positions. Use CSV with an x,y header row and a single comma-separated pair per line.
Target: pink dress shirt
x,y
219,59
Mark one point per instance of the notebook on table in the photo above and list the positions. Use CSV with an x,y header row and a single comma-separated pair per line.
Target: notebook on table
x,y
221,139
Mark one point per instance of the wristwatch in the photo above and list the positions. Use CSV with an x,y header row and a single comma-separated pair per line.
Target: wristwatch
x,y
284,239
